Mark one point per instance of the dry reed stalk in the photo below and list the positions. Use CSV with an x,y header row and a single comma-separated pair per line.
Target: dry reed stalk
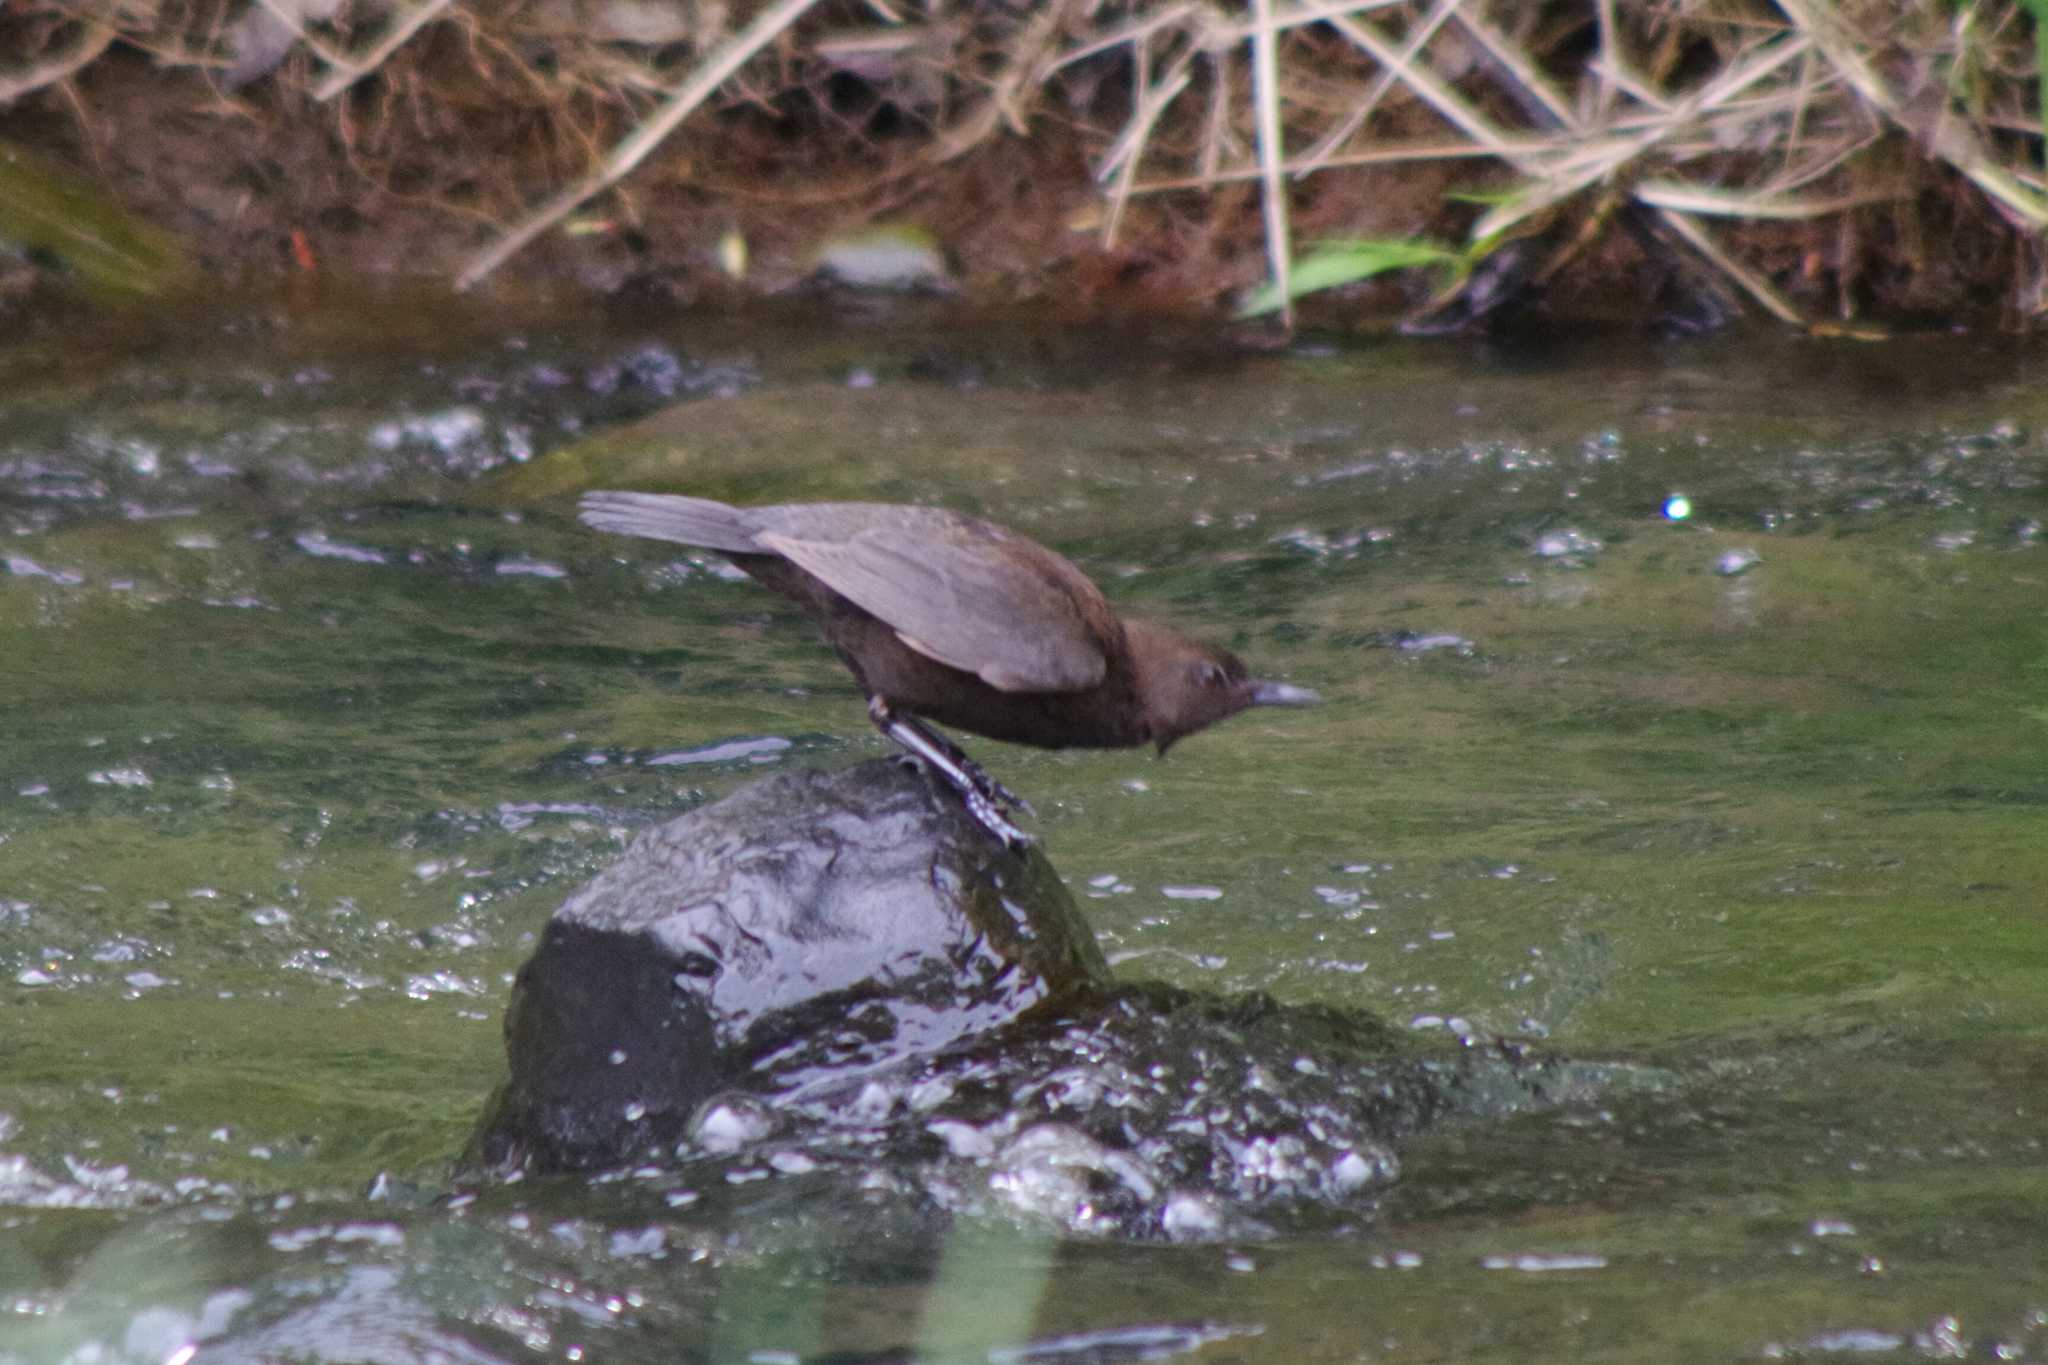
x,y
1793,104
1797,117
93,40
709,74
1272,152
1152,99
410,20
1943,136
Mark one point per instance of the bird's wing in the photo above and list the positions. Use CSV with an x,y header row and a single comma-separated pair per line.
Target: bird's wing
x,y
971,596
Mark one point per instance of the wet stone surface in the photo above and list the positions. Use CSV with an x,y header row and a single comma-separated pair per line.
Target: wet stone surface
x,y
1140,1111
807,927
840,972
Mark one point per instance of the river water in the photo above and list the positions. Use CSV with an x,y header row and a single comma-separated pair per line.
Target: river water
x,y
1687,717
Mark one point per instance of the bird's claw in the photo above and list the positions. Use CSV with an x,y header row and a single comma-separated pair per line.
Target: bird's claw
x,y
991,790
991,817
986,799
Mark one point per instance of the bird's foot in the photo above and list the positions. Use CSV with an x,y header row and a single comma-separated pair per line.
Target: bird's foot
x,y
987,805
991,790
991,817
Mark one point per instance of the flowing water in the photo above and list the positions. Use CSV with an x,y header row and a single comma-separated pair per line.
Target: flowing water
x,y
1687,717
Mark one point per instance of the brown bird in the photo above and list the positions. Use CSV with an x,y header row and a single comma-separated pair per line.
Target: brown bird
x,y
952,619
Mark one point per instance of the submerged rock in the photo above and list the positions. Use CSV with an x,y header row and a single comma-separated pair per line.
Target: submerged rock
x,y
1146,1110
839,983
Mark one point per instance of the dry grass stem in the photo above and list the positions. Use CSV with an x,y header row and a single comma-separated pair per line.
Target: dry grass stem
x,y
1388,77
408,22
93,40
1755,285
711,73
1152,101
1511,60
1563,113
1272,153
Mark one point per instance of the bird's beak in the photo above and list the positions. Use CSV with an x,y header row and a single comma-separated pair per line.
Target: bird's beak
x,y
1282,694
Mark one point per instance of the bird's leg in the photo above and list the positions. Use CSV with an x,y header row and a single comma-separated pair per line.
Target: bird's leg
x,y
983,795
887,719
981,778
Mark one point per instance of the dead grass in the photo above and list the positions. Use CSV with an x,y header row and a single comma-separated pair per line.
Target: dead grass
x,y
1825,158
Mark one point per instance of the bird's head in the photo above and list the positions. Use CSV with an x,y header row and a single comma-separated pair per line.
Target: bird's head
x,y
1184,685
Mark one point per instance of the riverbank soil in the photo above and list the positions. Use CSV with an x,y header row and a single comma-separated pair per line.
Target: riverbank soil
x,y
1572,158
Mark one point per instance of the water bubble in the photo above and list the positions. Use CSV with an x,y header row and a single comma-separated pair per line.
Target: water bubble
x,y
528,567
23,567
371,1234
1411,643
1567,544
207,467
764,747
1353,1171
321,546
437,983
725,1126
1856,1341
447,432
1736,562
1189,1217
644,1242
1529,1263
873,1104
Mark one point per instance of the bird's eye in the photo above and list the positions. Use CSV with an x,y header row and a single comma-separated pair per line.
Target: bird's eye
x,y
1209,674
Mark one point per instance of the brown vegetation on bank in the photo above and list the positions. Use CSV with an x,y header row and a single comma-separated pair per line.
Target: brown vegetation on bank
x,y
1822,161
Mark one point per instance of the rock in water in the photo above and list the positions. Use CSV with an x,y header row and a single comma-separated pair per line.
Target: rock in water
x,y
808,926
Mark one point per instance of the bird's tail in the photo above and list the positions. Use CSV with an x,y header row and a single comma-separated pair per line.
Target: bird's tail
x,y
667,516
